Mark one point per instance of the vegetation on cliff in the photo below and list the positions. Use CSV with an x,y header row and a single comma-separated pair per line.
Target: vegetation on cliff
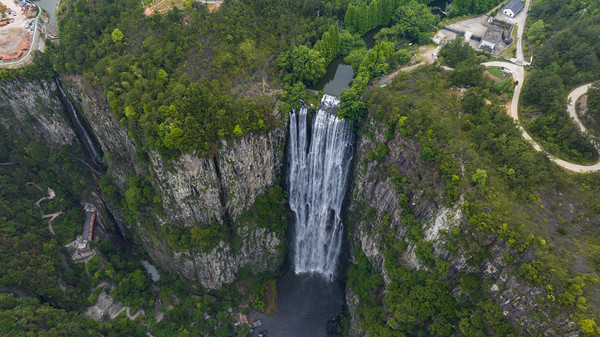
x,y
183,81
471,150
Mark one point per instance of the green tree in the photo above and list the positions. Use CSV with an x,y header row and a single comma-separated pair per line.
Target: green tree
x,y
537,29
303,64
247,49
479,177
593,101
237,131
117,36
414,21
588,326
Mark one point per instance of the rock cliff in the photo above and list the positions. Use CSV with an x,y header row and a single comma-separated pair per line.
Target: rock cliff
x,y
196,191
383,188
33,108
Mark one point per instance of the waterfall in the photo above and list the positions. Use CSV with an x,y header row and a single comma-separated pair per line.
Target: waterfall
x,y
85,138
317,184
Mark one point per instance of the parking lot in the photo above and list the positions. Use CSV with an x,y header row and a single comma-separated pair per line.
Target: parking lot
x,y
476,25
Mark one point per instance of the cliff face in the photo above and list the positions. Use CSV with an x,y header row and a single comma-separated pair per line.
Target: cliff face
x,y
382,189
385,188
196,191
33,108
205,190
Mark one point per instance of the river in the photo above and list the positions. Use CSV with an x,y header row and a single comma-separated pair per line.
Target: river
x,y
49,6
305,304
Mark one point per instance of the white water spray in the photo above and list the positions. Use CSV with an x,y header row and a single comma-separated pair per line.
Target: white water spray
x,y
317,185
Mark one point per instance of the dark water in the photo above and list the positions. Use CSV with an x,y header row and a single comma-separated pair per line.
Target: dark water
x,y
305,303
49,6
338,77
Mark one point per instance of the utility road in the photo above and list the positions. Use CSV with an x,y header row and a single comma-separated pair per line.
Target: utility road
x,y
519,76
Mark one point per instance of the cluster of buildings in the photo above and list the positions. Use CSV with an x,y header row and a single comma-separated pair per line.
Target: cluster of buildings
x,y
491,34
499,32
513,8
5,15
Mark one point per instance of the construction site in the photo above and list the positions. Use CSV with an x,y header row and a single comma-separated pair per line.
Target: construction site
x,y
17,28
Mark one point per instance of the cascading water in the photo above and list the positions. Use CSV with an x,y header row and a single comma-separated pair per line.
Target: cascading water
x,y
317,184
85,138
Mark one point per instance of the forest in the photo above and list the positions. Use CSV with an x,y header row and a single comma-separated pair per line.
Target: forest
x,y
565,47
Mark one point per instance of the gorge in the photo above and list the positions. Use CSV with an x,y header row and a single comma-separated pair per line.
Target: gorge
x,y
423,213
320,151
307,302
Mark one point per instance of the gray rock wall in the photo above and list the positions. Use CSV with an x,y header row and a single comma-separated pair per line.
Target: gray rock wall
x,y
372,189
33,108
196,191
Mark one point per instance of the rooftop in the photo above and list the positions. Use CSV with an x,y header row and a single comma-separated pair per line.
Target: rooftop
x,y
493,34
515,6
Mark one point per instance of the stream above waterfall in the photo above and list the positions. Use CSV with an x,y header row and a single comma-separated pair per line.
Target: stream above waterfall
x,y
338,76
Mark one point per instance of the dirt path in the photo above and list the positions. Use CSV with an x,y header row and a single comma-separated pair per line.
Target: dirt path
x,y
428,58
51,195
52,217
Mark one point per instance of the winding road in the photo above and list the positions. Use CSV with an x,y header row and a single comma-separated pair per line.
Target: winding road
x,y
518,72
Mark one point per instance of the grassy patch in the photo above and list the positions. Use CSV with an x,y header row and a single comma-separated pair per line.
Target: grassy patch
x,y
496,72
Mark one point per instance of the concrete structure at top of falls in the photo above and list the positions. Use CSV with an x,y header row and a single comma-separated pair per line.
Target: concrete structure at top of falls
x,y
318,173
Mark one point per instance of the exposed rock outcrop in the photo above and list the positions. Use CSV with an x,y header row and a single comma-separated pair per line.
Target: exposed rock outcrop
x,y
196,191
376,213
33,108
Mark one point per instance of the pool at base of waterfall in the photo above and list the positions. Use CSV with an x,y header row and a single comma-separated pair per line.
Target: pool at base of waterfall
x,y
305,304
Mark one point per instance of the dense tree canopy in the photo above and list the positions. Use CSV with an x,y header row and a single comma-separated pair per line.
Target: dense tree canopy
x,y
566,52
179,81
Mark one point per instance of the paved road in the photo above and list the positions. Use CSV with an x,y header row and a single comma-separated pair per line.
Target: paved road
x,y
573,97
520,21
518,75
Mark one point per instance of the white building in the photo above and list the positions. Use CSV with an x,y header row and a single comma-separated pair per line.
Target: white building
x,y
513,8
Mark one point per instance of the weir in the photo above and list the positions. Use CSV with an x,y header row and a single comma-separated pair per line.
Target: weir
x,y
318,173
